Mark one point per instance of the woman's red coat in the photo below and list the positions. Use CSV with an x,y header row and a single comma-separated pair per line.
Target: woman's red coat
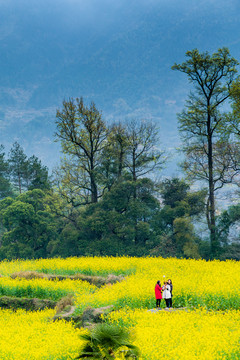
x,y
158,292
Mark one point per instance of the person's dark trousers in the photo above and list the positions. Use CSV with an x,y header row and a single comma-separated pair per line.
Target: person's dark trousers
x,y
168,303
158,302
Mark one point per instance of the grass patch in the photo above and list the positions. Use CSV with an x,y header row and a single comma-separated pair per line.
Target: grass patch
x,y
14,303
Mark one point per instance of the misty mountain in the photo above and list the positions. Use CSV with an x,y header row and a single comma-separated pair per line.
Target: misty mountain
x,y
116,53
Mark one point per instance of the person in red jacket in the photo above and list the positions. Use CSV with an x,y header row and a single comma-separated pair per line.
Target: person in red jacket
x,y
158,294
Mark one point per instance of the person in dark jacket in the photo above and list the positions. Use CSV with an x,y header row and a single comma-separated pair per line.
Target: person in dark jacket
x,y
171,288
158,294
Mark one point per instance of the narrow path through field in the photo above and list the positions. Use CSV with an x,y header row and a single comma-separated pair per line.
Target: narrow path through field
x,y
168,310
69,313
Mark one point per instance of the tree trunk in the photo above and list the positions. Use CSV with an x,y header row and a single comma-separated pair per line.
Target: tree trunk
x,y
120,164
211,209
19,184
134,165
94,191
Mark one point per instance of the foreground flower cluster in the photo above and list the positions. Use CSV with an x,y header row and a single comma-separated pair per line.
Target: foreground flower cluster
x,y
192,335
207,329
33,336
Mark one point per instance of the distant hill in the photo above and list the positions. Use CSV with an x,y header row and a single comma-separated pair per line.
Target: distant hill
x,y
117,53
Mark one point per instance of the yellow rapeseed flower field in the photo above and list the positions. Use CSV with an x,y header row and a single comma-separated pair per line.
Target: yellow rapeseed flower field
x,y
192,335
207,329
33,336
214,285
43,288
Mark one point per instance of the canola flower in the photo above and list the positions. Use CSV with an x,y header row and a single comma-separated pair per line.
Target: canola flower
x,y
33,336
43,288
197,284
73,265
192,335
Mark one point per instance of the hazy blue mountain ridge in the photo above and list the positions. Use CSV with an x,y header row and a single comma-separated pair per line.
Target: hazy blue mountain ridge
x,y
118,54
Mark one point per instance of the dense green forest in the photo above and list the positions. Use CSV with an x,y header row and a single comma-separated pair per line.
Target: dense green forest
x,y
105,197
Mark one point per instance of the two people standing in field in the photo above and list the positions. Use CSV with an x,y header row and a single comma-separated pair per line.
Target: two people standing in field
x,y
164,292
